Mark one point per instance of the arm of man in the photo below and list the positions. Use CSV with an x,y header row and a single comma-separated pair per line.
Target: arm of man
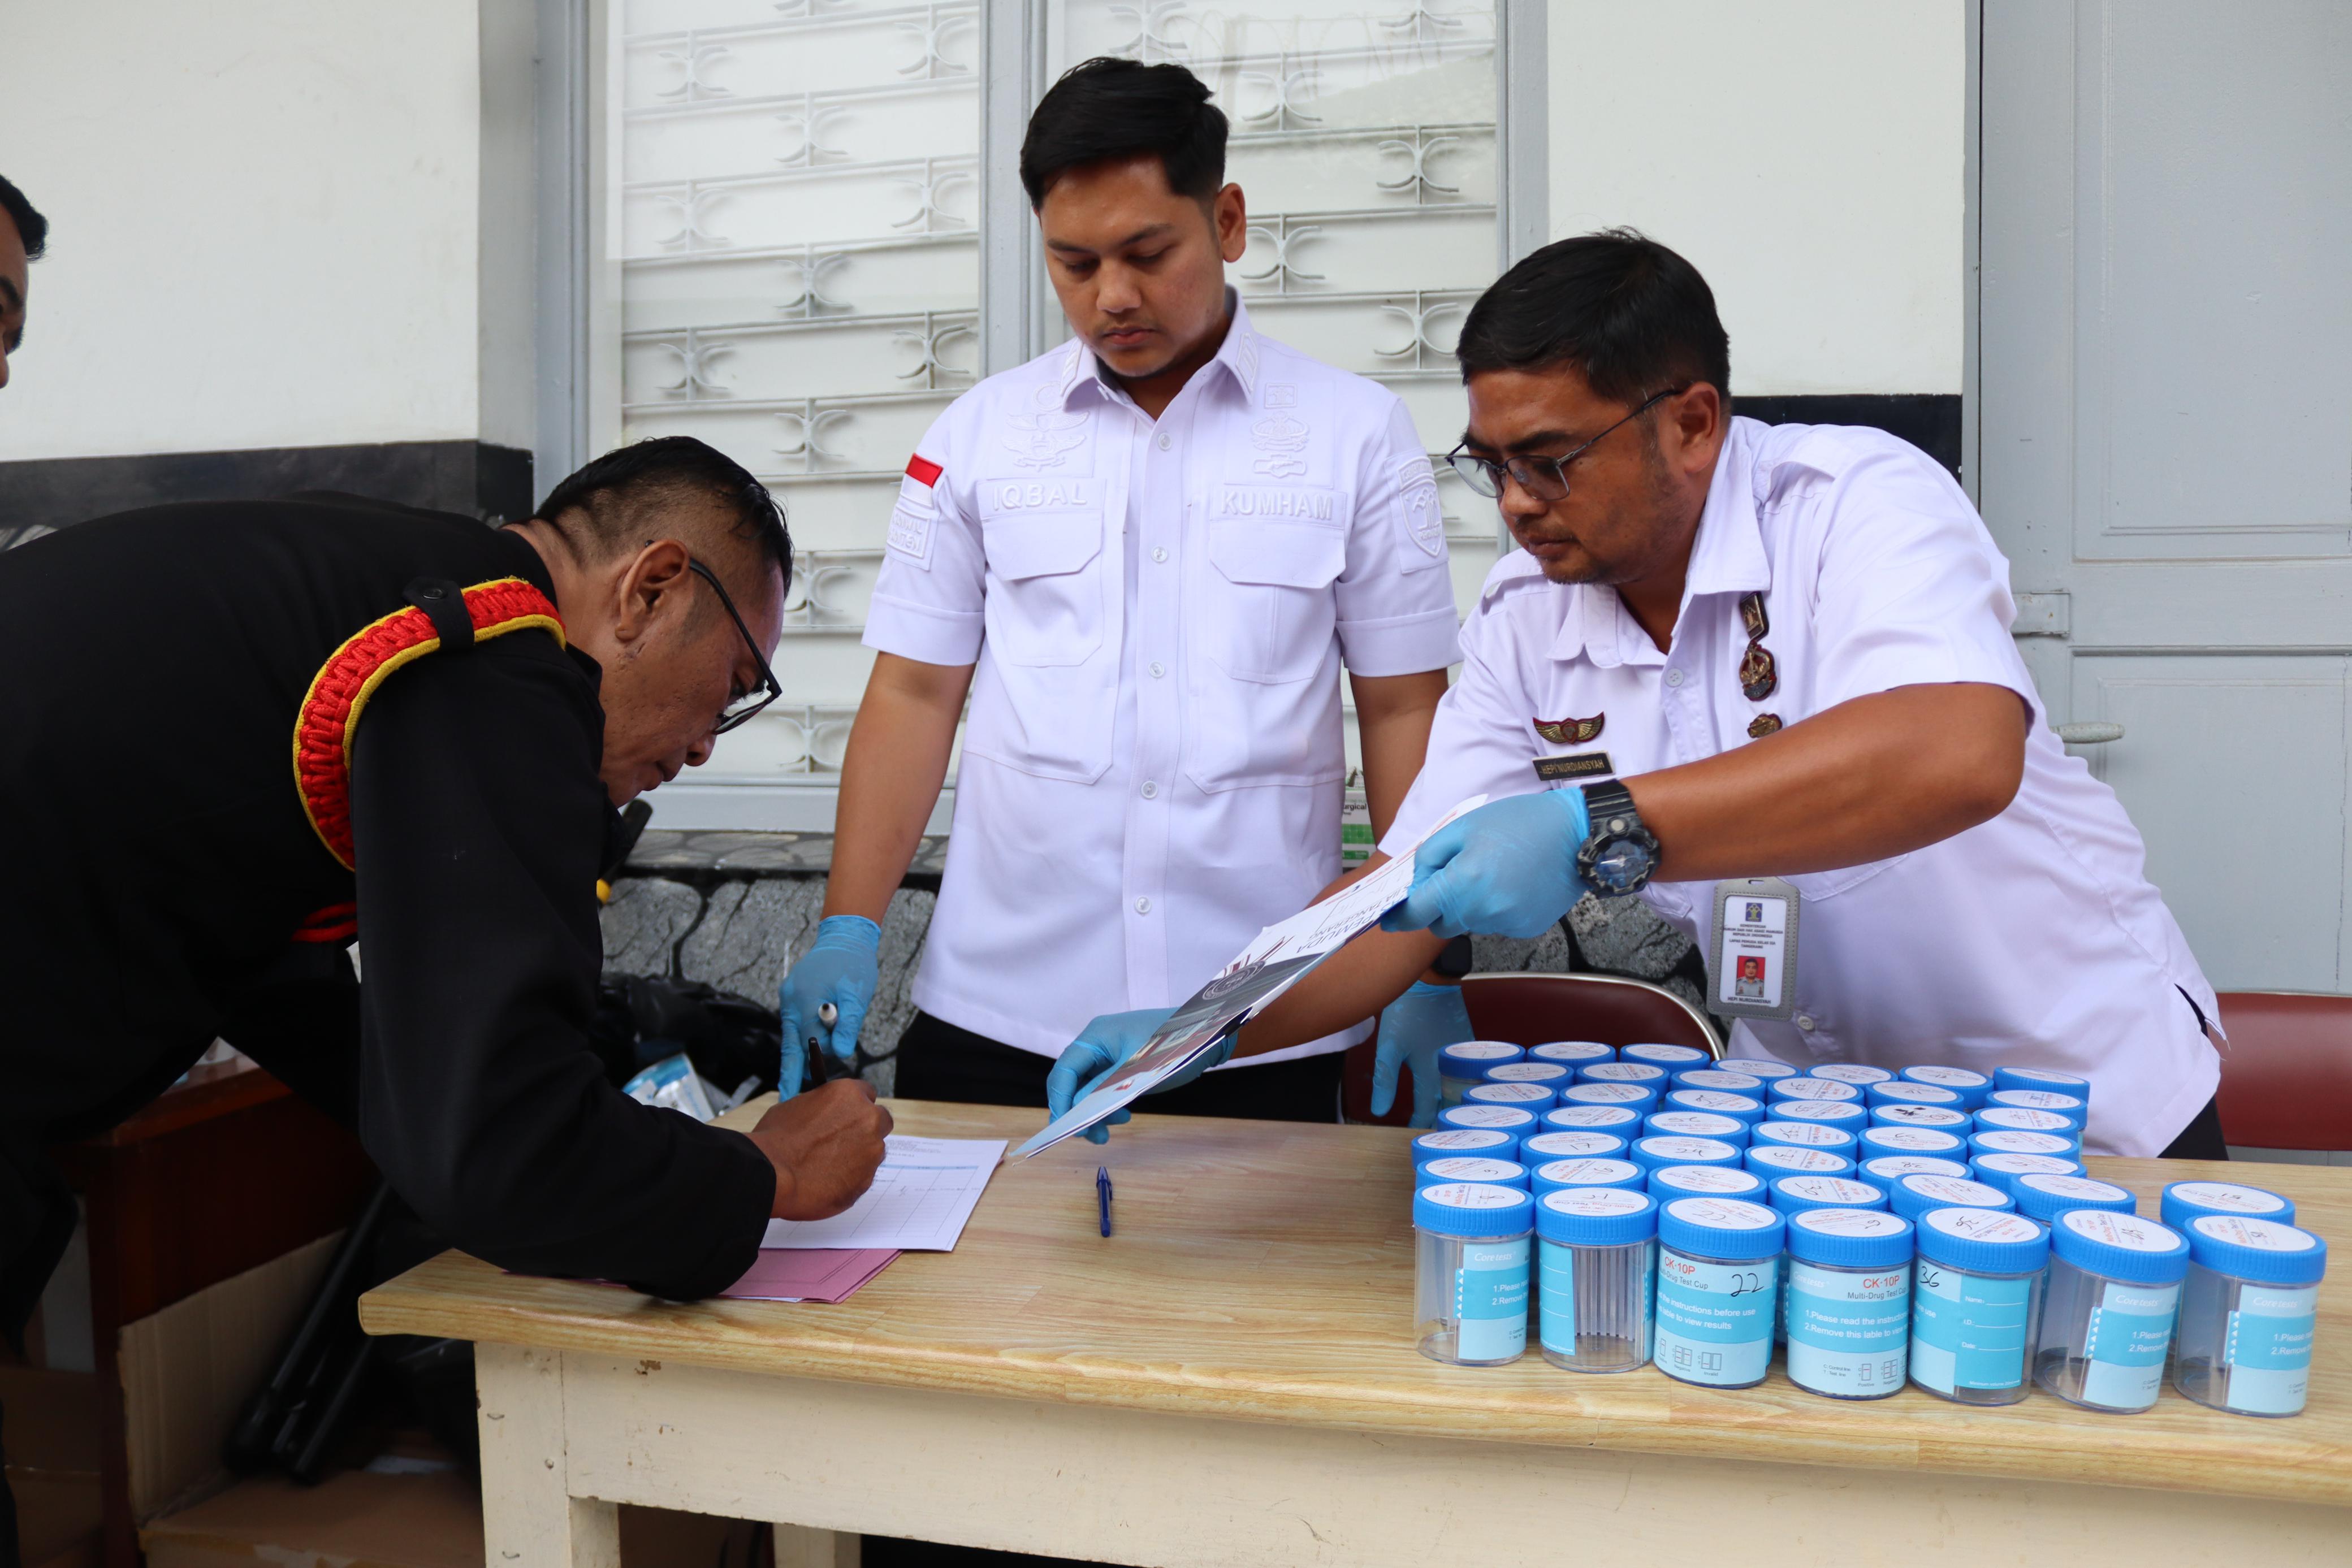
x,y
478,820
1393,714
890,778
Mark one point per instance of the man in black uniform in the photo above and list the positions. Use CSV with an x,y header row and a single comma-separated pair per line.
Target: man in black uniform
x,y
235,735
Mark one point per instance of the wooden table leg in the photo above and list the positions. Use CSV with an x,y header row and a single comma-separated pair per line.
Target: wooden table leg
x,y
529,1517
800,1547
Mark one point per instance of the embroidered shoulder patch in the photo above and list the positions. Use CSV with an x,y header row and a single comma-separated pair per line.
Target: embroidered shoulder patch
x,y
1423,517
912,519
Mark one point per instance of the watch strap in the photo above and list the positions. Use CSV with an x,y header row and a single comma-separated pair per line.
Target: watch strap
x,y
1609,797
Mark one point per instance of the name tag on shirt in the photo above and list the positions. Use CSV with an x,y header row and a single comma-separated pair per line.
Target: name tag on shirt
x,y
1583,765
1751,971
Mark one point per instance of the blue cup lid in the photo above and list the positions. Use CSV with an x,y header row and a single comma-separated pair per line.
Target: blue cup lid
x,y
1762,1067
2263,1250
1729,1228
1773,1161
1668,1056
1533,1097
1805,1135
1503,1118
1491,1142
1472,1210
1853,1072
1913,1195
1848,1238
1983,1240
1913,1140
1573,1052
1596,1217
1550,1073
1595,1118
2009,1141
2045,1197
1667,1150
1847,1113
2042,1078
1794,1194
1744,1107
1640,1095
1903,1092
1886,1170
1696,1124
1830,1088
1966,1079
2015,1119
1472,1167
2120,1246
1471,1057
1727,1080
1669,1182
2071,1106
1950,1118
1622,1072
1554,1174
2185,1200
2002,1170
1579,1145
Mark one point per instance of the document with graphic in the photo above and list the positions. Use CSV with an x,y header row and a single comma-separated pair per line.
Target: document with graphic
x,y
1279,957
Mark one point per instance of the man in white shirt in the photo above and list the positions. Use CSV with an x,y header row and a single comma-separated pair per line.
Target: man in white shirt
x,y
1782,652
1146,556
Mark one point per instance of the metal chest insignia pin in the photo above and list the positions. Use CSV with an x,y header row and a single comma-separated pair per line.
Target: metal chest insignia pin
x,y
1763,724
1752,616
1760,677
1571,731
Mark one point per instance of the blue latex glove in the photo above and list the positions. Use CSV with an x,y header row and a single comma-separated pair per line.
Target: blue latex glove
x,y
1413,1029
1101,1048
841,966
1508,869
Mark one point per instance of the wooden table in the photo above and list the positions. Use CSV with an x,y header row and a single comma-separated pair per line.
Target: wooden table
x,y
1231,1380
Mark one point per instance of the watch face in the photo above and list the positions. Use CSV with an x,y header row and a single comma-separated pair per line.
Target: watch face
x,y
1621,866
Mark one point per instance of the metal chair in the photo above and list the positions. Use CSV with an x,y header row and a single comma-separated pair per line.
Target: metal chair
x,y
2286,1073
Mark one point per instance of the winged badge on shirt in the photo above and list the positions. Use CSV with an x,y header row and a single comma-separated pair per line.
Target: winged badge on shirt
x,y
1043,440
1571,731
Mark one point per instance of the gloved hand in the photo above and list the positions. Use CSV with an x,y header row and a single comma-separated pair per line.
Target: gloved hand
x,y
1101,1048
1413,1029
841,966
1508,869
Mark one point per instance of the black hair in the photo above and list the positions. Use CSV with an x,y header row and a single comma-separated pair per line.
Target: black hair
x,y
1626,313
31,227
616,494
1107,107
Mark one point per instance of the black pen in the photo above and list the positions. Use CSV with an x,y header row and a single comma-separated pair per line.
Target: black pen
x,y
1102,1195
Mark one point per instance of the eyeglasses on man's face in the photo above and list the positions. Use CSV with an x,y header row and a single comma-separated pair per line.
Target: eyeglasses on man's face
x,y
1545,478
742,706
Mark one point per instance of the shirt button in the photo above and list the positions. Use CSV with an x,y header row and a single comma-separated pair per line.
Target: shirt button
x,y
1803,1022
1163,440
1158,555
1150,790
1157,669
1674,677
1143,907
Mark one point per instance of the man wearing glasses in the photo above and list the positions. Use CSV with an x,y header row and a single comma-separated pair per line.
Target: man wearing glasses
x,y
242,734
1728,651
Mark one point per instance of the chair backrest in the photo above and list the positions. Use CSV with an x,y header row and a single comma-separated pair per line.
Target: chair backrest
x,y
2286,1072
1529,1010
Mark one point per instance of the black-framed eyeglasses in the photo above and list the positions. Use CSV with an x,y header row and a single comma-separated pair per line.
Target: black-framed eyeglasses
x,y
1545,478
740,710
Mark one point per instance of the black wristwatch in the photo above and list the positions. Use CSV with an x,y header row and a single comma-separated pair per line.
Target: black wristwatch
x,y
1619,854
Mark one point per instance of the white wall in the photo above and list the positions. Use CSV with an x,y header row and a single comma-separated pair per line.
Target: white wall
x,y
1806,155
268,224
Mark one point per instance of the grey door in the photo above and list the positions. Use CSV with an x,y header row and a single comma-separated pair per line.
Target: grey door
x,y
2165,414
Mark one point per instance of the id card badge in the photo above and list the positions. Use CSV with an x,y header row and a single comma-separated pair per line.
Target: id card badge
x,y
1751,970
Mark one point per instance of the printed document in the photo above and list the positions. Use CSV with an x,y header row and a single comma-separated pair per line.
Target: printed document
x,y
921,1197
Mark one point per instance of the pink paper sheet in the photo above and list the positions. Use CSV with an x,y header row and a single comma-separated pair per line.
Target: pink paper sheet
x,y
827,1274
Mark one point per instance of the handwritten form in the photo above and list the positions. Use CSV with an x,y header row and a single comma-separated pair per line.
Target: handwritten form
x,y
920,1198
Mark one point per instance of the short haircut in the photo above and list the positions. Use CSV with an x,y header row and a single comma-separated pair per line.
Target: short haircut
x,y
31,227
1106,108
1627,314
616,497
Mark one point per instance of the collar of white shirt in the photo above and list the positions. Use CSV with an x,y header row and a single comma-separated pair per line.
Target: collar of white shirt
x,y
1728,557
1238,356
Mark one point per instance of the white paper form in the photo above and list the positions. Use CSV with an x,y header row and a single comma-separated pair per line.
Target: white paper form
x,y
1276,960
920,1201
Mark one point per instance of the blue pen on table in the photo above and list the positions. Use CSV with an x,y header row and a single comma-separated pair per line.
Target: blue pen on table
x,y
1102,1195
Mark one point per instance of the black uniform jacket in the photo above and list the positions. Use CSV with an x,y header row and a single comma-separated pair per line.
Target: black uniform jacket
x,y
165,880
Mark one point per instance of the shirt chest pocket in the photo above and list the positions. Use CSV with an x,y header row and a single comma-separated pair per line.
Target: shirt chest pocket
x,y
1271,592
1044,604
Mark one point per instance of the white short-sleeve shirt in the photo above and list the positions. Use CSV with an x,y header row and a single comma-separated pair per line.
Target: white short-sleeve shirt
x,y
1153,763
2032,940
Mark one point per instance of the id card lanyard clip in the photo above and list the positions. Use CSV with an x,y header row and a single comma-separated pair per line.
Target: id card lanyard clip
x,y
1751,962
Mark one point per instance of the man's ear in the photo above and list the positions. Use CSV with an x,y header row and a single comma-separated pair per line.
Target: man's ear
x,y
653,586
1699,421
1229,214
